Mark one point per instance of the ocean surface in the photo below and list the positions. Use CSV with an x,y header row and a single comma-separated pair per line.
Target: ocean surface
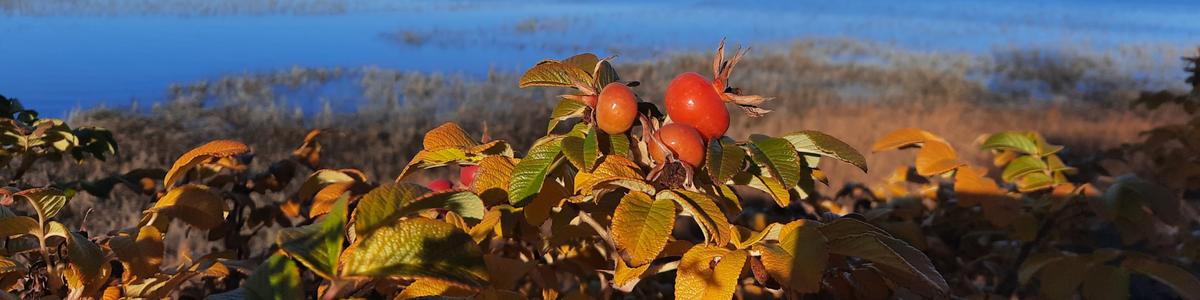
x,y
58,57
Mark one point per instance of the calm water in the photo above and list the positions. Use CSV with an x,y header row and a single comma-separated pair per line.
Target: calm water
x,y
59,61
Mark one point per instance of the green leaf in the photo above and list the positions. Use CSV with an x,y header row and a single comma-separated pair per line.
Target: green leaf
x,y
591,148
1183,282
276,278
1021,166
641,226
382,205
724,159
566,109
817,142
195,204
318,245
417,247
713,223
1012,140
46,201
616,145
531,171
1034,181
583,61
466,204
556,74
779,158
799,260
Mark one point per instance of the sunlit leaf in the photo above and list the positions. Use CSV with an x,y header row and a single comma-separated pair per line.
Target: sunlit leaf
x,y
904,137
317,245
704,210
1011,140
779,158
817,142
1034,181
641,226
724,159
591,148
84,255
709,272
936,158
551,73
491,183
566,109
416,247
425,287
799,260
195,204
46,201
142,253
624,275
213,149
530,172
382,205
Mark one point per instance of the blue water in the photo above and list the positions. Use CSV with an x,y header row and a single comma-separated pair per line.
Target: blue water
x,y
58,62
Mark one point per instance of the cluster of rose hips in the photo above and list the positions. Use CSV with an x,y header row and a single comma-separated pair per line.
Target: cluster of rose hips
x,y
696,112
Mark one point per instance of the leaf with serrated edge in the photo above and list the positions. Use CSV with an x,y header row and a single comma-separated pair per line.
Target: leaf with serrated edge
x,y
712,220
566,109
591,149
530,172
900,262
817,142
416,247
317,245
724,159
779,158
641,226
195,204
382,205
708,272
465,204
425,287
491,183
217,148
555,74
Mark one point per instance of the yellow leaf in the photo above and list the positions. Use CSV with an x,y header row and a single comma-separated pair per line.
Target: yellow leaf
x,y
491,183
448,135
46,201
625,275
425,287
487,225
195,204
935,158
799,260
610,168
708,272
324,199
142,254
641,226
713,222
744,237
902,138
17,225
217,148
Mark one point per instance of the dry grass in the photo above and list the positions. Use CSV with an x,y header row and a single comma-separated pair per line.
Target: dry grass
x,y
852,90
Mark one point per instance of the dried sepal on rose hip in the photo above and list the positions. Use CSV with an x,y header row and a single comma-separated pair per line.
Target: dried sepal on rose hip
x,y
722,69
